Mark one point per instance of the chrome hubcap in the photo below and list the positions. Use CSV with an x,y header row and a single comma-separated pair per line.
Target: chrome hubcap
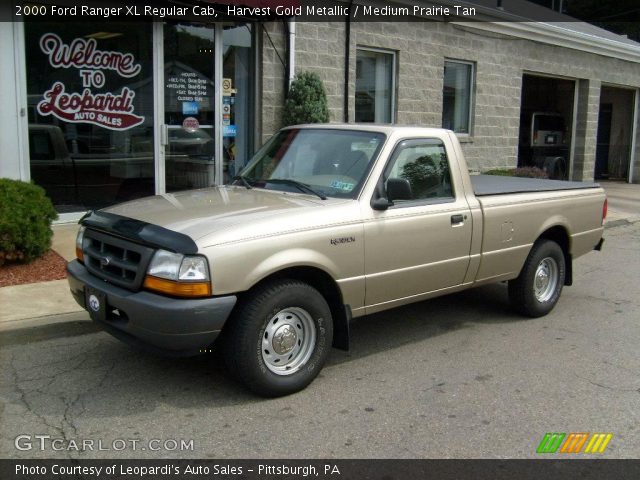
x,y
284,340
545,280
288,341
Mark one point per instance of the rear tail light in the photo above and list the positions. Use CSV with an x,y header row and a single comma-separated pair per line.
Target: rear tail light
x,y
605,208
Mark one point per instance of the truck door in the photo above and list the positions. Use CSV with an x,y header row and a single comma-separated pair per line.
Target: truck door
x,y
420,243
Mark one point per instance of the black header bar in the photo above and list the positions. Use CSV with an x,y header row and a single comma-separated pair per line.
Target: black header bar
x,y
301,10
551,469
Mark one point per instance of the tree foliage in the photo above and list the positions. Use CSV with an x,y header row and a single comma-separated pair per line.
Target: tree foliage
x,y
307,101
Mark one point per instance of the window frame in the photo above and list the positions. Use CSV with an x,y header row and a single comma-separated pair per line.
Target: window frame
x,y
472,95
397,149
394,82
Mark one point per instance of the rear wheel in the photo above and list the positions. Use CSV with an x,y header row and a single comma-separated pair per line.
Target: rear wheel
x,y
537,289
279,337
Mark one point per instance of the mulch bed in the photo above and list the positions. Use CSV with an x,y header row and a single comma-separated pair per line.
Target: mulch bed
x,y
50,266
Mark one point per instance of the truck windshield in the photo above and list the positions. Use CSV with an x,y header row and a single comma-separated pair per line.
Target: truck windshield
x,y
331,163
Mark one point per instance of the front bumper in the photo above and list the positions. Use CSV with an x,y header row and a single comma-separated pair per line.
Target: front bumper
x,y
153,322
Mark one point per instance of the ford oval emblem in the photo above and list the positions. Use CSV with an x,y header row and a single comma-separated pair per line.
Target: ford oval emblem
x,y
104,261
94,303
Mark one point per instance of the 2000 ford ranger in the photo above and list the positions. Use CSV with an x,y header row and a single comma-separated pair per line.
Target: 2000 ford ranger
x,y
326,223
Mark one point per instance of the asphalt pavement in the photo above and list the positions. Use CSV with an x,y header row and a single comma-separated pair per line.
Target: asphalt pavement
x,y
455,377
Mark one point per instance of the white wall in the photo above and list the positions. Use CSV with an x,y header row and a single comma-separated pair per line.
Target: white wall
x,y
14,145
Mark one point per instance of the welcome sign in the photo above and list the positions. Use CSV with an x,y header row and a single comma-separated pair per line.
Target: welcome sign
x,y
107,110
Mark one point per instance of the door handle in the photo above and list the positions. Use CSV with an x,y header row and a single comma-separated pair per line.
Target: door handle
x,y
164,135
457,219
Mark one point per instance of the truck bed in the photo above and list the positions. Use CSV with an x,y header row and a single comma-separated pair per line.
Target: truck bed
x,y
502,185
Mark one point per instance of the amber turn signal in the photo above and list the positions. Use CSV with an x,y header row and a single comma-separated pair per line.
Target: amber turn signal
x,y
79,254
177,289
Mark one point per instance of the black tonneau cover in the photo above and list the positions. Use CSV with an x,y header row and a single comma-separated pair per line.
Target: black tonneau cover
x,y
501,185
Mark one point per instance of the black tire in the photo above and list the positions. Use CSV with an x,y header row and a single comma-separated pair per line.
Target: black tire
x,y
536,299
292,313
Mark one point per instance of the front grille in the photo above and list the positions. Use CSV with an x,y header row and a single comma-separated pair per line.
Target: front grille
x,y
116,260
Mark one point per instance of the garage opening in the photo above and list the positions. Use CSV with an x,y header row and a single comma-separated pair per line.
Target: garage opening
x,y
615,122
546,123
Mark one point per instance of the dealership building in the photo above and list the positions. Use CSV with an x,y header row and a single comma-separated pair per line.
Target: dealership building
x,y
98,112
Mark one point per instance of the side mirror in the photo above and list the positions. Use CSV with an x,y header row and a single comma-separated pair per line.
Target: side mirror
x,y
399,189
380,203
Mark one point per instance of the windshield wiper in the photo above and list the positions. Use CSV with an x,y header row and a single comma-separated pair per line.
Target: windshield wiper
x,y
244,181
303,187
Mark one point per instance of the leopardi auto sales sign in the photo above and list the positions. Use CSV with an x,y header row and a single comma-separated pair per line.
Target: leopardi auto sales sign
x,y
114,111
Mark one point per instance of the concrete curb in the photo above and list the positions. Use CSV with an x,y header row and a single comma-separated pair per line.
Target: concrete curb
x,y
36,300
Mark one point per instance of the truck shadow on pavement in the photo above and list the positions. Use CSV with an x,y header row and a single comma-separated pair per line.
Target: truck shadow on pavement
x,y
419,321
93,375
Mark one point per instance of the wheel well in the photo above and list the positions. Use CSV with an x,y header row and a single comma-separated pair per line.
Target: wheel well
x,y
328,288
560,235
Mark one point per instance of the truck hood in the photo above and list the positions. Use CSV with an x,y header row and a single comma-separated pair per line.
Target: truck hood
x,y
212,212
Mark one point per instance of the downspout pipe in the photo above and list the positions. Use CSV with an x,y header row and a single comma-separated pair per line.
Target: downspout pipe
x,y
347,57
292,50
287,53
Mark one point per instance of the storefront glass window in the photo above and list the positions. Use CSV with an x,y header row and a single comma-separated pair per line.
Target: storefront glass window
x,y
189,105
237,98
90,98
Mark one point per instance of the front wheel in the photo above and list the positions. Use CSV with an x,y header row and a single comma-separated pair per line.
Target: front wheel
x,y
537,289
279,337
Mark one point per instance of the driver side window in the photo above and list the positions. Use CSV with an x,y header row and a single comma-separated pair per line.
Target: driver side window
x,y
424,165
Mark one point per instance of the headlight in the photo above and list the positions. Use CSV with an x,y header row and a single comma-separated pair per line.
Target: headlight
x,y
193,268
178,275
79,238
165,265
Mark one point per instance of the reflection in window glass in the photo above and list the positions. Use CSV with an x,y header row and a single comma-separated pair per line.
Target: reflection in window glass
x,y
90,128
374,86
332,162
426,168
456,106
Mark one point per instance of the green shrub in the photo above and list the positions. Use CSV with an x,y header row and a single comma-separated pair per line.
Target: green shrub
x,y
528,172
503,172
307,101
25,221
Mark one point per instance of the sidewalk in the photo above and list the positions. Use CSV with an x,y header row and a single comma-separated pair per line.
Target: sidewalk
x,y
624,202
43,303
37,304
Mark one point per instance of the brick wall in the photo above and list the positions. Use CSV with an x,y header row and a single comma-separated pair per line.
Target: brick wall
x,y
586,129
421,51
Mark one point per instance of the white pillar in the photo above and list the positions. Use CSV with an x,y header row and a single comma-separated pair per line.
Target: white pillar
x,y
14,143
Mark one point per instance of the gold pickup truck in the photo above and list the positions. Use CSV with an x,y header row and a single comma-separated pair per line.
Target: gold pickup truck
x,y
325,224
